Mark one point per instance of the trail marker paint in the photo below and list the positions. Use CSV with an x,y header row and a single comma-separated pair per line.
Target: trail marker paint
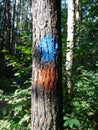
x,y
49,48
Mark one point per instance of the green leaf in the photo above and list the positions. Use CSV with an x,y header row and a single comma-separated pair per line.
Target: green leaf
x,y
69,123
66,124
17,74
66,118
4,50
18,108
76,122
25,118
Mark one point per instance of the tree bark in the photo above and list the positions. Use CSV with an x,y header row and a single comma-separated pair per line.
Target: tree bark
x,y
78,21
70,45
8,25
46,74
13,31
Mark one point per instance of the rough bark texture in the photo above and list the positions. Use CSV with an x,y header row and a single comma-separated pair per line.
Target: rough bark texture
x,y
70,45
46,74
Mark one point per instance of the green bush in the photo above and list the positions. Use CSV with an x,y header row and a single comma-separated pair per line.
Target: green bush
x,y
85,101
17,113
84,111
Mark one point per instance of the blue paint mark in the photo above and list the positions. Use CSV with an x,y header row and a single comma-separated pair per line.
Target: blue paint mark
x,y
49,48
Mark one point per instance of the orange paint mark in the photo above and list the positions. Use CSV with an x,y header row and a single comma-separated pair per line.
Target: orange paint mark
x,y
48,77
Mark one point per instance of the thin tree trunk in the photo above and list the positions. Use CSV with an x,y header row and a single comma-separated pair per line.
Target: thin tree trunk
x,y
77,60
70,46
78,20
46,75
13,31
2,42
18,13
8,25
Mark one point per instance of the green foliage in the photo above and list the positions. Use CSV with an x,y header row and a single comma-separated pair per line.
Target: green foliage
x,y
15,65
17,114
86,56
84,103
85,100
71,122
83,108
21,62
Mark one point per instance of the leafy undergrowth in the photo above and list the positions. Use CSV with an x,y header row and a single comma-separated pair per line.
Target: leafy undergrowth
x,y
17,89
17,114
84,105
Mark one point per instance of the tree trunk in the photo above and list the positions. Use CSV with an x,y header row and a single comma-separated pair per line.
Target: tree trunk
x,y
13,30
70,46
46,74
2,40
8,25
78,21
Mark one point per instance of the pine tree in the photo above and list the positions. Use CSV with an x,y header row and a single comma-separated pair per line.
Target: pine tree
x,y
46,74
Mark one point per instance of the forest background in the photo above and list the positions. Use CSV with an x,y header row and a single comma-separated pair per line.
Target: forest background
x,y
81,113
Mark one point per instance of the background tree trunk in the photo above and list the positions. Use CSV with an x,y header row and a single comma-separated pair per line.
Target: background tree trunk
x,y
77,59
78,21
13,28
46,75
70,45
8,25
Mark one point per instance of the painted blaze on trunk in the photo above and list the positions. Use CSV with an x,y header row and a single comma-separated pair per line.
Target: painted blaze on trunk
x,y
46,74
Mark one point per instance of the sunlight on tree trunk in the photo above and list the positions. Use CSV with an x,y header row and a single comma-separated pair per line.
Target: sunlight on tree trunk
x,y
70,45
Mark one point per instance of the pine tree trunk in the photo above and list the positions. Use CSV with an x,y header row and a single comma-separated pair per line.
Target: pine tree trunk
x,y
46,74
